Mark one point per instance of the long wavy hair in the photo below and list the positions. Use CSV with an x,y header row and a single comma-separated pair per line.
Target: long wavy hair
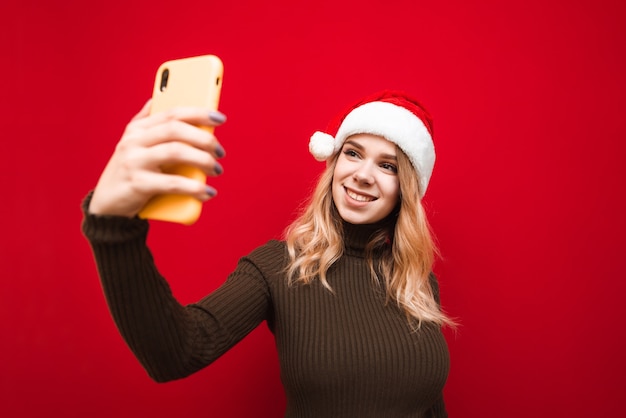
x,y
404,260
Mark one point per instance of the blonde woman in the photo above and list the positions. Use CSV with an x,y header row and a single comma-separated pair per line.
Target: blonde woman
x,y
348,294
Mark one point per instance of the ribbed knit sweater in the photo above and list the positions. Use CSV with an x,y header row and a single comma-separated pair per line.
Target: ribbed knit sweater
x,y
342,354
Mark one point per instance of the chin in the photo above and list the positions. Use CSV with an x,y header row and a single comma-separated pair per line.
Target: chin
x,y
359,220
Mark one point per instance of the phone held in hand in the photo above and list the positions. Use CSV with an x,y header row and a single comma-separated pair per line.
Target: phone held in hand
x,y
197,82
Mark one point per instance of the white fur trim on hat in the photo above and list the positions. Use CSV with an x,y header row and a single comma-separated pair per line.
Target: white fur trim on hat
x,y
392,122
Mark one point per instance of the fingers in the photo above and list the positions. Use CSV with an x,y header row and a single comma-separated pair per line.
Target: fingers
x,y
184,124
181,153
137,169
192,115
151,183
178,131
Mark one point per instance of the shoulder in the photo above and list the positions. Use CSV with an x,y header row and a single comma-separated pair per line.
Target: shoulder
x,y
272,249
270,258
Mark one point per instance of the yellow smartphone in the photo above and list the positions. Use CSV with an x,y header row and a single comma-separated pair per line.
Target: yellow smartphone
x,y
194,81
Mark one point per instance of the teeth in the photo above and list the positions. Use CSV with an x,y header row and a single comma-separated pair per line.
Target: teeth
x,y
358,197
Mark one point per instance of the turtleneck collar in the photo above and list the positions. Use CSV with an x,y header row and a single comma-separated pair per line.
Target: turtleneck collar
x,y
356,237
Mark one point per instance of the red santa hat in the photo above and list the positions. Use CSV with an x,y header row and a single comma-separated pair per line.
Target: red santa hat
x,y
392,115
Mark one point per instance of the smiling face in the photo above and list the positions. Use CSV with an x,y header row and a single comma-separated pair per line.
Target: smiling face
x,y
365,183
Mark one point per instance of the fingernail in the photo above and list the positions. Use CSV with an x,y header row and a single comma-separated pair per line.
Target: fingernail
x,y
217,116
219,151
211,191
218,168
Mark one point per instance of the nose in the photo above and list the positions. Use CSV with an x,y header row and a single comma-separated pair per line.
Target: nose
x,y
363,174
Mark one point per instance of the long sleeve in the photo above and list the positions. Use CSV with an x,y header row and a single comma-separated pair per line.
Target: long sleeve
x,y
343,353
170,340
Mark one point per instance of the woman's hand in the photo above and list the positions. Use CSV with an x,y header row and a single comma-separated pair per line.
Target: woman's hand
x,y
132,175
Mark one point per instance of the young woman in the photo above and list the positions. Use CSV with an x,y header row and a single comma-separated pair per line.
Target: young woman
x,y
349,293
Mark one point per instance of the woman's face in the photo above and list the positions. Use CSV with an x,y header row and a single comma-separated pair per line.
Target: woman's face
x,y
365,183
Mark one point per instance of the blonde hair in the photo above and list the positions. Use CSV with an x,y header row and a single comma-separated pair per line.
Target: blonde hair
x,y
315,241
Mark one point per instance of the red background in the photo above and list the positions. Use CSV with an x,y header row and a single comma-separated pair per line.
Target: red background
x,y
526,199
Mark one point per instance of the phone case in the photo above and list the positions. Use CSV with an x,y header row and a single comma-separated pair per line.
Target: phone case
x,y
194,81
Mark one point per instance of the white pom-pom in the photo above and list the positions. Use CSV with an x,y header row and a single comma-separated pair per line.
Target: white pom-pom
x,y
321,145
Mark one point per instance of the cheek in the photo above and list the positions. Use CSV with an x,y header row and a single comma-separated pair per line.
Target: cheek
x,y
392,188
340,173
335,184
393,194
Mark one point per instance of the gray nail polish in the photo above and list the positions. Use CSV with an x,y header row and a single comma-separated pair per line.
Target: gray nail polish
x,y
217,116
211,191
219,151
218,168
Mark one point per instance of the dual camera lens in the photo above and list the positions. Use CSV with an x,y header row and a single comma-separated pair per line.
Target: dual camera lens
x,y
165,76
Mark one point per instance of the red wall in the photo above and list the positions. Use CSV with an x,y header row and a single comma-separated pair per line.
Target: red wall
x,y
526,199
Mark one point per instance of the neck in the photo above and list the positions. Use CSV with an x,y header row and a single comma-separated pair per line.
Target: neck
x,y
357,236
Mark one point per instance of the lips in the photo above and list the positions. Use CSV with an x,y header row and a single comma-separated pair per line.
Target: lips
x,y
359,197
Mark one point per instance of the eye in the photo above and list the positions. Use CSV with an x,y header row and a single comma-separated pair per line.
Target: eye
x,y
349,152
389,167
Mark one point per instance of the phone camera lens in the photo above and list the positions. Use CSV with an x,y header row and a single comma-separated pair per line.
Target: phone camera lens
x,y
164,77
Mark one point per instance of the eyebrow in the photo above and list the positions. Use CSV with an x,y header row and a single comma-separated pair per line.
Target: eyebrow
x,y
361,148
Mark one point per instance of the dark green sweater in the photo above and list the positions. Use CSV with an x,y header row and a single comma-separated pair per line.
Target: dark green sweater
x,y
342,354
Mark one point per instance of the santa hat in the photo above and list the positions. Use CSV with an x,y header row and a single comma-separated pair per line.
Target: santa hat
x,y
392,115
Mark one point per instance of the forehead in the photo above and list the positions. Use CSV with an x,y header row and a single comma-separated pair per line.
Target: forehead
x,y
373,143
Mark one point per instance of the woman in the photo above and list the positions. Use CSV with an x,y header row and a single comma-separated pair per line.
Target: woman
x,y
349,293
